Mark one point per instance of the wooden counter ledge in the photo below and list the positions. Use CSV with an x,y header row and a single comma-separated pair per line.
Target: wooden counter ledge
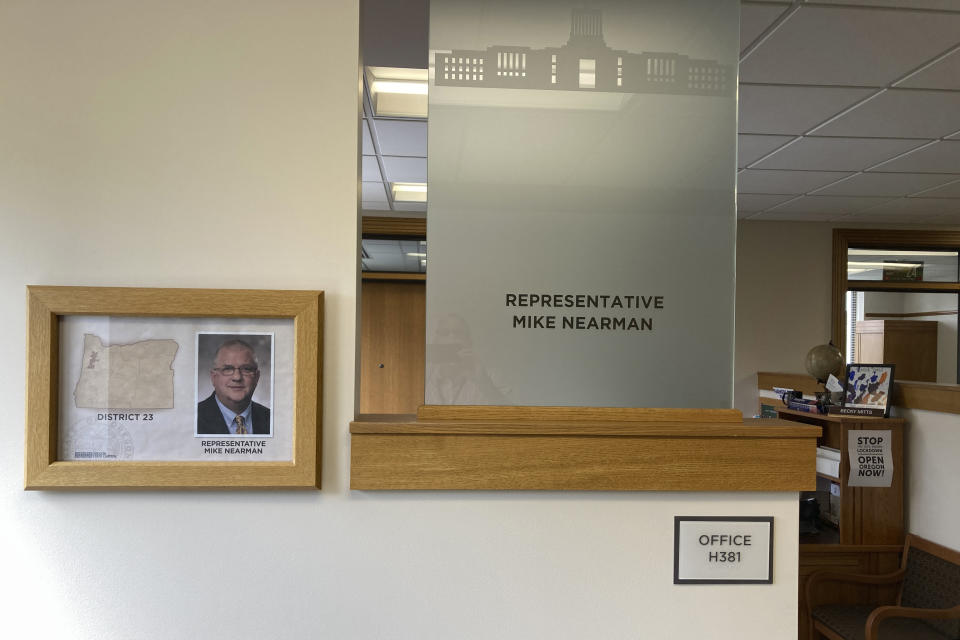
x,y
583,449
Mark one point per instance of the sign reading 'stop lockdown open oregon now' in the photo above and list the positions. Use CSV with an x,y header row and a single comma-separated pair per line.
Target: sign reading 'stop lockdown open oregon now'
x,y
582,160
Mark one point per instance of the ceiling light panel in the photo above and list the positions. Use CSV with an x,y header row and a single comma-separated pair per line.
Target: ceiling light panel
x,y
398,92
409,191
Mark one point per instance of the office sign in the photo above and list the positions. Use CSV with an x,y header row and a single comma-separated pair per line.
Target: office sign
x,y
582,161
723,550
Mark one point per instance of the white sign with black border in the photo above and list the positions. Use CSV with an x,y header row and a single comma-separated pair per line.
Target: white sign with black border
x,y
722,550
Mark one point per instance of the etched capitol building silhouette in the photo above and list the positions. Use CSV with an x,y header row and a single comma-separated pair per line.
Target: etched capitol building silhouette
x,y
585,63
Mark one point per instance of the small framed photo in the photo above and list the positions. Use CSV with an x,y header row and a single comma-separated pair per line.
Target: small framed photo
x,y
173,388
867,389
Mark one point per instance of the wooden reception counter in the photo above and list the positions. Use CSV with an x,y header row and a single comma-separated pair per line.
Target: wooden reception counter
x,y
581,449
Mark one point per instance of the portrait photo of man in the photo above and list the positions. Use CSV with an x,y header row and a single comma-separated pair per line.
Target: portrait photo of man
x,y
233,365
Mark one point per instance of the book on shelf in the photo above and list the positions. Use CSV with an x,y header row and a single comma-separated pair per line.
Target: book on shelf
x,y
808,406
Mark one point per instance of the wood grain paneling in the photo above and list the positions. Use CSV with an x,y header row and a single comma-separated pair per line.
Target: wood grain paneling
x,y
577,414
394,227
384,275
392,346
928,396
763,455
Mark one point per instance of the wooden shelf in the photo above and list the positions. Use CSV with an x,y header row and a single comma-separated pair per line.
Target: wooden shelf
x,y
868,515
585,449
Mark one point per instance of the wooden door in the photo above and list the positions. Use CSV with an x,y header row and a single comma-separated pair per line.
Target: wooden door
x,y
392,345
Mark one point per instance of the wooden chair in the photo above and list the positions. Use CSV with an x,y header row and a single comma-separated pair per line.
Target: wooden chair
x,y
927,605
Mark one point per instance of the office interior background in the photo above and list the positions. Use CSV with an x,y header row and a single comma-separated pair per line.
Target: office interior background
x,y
143,140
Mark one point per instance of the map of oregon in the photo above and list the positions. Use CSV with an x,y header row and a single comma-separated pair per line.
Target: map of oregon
x,y
128,376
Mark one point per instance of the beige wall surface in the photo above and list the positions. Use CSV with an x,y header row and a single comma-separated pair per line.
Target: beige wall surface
x,y
213,144
783,300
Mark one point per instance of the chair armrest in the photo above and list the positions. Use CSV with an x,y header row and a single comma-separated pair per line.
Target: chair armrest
x,y
882,613
819,577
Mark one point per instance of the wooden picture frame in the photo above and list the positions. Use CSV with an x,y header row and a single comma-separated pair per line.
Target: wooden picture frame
x,y
872,385
48,307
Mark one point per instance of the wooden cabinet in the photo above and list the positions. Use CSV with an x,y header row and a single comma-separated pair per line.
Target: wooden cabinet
x,y
870,534
911,345
867,515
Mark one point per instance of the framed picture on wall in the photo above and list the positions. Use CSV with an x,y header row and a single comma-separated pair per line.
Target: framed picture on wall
x,y
176,388
867,389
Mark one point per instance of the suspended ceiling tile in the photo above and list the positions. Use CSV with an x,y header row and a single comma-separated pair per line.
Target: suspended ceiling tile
x,y
836,154
792,182
905,4
850,46
754,18
942,75
368,149
792,110
950,218
752,202
901,113
912,206
836,205
940,157
402,137
951,190
370,170
405,169
796,216
886,184
373,192
752,147
877,217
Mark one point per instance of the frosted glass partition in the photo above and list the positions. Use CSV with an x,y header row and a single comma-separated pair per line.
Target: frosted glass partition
x,y
582,162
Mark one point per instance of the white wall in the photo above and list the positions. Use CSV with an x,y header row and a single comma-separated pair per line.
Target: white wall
x,y
932,447
143,142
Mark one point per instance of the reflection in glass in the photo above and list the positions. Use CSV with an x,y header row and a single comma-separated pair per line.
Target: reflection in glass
x,y
916,331
902,265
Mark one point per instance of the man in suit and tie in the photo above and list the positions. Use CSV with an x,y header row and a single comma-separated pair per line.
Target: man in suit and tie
x,y
230,408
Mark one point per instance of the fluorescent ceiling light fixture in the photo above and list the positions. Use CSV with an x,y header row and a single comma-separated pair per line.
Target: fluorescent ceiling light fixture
x,y
885,252
397,91
417,255
395,86
409,191
885,265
